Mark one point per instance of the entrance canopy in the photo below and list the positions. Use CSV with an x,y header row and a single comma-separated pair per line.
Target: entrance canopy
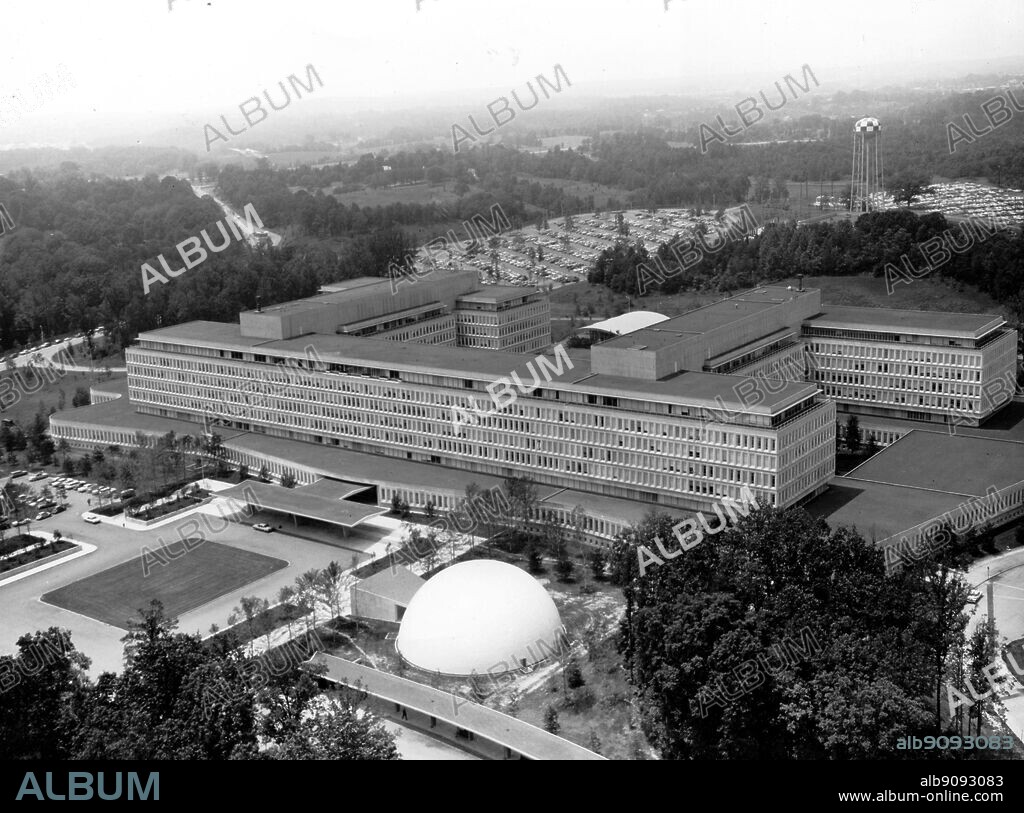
x,y
311,504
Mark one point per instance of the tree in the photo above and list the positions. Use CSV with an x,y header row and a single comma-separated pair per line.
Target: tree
x,y
288,480
596,561
522,498
81,397
64,447
264,474
907,186
332,729
534,561
551,724
806,602
1018,534
564,567
574,675
284,597
251,607
870,446
853,434
34,710
332,580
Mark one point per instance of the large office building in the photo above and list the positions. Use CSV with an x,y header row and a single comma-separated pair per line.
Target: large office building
x,y
441,378
451,309
945,368
635,418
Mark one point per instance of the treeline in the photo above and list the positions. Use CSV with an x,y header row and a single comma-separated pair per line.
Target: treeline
x,y
176,698
779,638
74,259
321,215
995,264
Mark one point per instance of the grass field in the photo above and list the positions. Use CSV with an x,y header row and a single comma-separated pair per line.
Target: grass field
x,y
116,595
417,193
581,189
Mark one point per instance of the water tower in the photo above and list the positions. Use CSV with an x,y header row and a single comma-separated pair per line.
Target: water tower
x,y
866,191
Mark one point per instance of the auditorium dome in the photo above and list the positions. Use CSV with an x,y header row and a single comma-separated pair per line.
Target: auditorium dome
x,y
476,616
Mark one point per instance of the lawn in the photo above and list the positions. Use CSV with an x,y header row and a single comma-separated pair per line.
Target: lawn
x,y
35,555
208,571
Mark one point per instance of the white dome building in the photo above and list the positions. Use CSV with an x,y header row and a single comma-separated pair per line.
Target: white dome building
x,y
481,616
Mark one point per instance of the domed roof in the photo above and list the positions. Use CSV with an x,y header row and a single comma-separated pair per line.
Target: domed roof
x,y
480,616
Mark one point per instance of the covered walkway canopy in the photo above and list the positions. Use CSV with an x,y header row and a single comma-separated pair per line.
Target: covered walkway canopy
x,y
308,503
516,735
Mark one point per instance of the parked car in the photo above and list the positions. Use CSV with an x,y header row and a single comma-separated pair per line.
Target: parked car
x,y
973,597
43,515
263,527
39,475
59,508
92,519
128,493
19,473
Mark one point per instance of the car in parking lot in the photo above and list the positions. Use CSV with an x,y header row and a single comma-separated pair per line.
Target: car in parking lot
x,y
92,519
19,473
262,526
43,515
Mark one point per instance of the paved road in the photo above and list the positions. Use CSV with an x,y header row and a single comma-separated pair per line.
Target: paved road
x,y
47,353
23,611
1006,574
414,744
205,189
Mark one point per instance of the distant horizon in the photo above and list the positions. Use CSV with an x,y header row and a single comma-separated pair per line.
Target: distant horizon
x,y
149,66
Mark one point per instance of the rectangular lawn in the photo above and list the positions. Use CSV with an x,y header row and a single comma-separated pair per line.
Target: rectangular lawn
x,y
201,575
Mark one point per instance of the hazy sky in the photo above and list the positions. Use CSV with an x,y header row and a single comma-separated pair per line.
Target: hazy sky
x,y
143,58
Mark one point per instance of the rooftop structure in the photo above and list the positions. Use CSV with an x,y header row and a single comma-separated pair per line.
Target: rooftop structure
x,y
624,324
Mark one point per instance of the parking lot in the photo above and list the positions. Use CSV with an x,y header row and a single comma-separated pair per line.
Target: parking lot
x,y
558,256
960,199
24,612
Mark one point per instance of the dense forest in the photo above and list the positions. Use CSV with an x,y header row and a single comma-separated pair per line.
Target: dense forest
x,y
780,638
74,259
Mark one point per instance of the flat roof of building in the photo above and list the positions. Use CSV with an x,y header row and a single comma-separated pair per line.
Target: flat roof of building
x,y
895,320
521,737
938,461
120,414
303,504
498,293
397,584
879,510
352,284
743,349
687,388
709,317
201,333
